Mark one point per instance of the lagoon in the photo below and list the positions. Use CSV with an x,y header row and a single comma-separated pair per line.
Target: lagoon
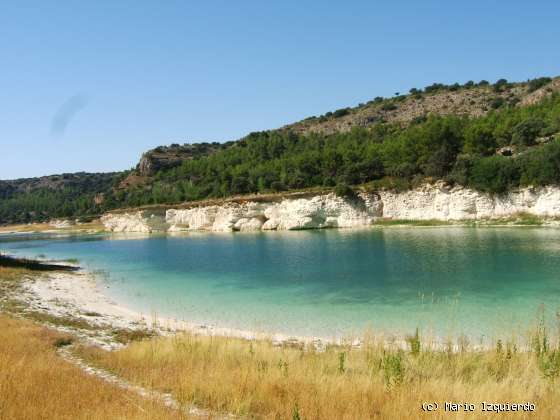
x,y
448,281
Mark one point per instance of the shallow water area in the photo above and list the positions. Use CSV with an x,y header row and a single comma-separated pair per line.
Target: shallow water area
x,y
482,282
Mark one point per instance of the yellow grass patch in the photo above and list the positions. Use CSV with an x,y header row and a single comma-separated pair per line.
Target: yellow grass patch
x,y
257,379
35,383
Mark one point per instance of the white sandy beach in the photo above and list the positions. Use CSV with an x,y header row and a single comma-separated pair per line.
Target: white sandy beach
x,y
80,295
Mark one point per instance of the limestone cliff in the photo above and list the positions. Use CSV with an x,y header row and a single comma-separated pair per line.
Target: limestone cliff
x,y
432,201
136,221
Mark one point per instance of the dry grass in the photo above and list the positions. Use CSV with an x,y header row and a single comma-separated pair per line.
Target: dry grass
x,y
257,379
11,279
94,225
37,384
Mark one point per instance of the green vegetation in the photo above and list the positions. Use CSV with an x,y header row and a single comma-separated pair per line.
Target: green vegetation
x,y
66,195
458,149
538,83
343,190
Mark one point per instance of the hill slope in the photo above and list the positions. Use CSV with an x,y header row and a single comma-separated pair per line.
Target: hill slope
x,y
469,99
490,137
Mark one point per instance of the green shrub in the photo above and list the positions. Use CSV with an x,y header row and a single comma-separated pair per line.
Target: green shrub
x,y
393,368
497,102
341,112
500,85
277,186
525,133
343,190
538,83
494,174
388,106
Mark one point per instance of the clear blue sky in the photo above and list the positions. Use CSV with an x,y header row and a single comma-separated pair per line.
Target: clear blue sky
x,y
90,85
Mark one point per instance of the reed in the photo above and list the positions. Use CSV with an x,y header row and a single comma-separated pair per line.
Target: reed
x,y
259,379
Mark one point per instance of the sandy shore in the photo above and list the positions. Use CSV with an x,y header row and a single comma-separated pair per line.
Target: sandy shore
x,y
79,295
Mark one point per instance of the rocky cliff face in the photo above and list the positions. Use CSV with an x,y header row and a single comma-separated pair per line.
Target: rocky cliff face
x,y
139,221
166,157
432,201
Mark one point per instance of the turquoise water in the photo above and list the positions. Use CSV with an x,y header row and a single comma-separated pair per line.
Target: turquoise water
x,y
328,283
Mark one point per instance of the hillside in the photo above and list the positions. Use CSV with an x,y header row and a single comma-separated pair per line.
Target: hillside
x,y
66,195
490,137
470,99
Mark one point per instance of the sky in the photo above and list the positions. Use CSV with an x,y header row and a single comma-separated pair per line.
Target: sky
x,y
89,86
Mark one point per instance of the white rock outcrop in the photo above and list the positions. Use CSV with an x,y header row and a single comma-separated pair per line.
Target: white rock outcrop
x,y
61,224
432,201
139,221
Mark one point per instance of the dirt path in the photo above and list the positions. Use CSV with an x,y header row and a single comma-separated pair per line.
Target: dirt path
x,y
162,397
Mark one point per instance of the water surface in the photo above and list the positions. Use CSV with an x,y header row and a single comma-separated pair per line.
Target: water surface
x,y
476,281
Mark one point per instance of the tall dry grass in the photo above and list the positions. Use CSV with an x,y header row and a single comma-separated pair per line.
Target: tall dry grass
x,y
35,383
257,379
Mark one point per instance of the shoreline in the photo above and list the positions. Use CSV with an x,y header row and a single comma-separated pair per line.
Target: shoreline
x,y
81,295
78,295
508,222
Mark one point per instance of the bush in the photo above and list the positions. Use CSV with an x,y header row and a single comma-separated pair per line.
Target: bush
x,y
341,112
389,106
479,140
541,166
497,102
240,185
494,174
500,85
393,368
538,83
461,170
525,133
343,190
434,87
277,186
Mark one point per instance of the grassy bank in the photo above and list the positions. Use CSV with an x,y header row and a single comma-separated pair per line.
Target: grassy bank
x,y
37,384
258,379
